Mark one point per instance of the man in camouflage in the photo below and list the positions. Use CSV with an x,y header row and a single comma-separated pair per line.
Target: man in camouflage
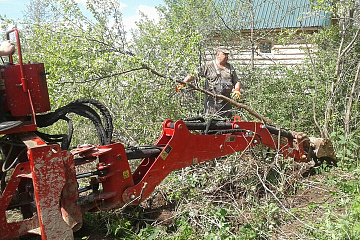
x,y
220,78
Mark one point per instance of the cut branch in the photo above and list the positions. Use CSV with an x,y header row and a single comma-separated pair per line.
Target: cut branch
x,y
236,104
111,75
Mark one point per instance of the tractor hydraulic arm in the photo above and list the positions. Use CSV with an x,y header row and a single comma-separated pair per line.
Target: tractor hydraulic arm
x,y
181,148
176,148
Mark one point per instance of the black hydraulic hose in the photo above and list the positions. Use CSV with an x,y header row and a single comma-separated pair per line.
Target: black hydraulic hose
x,y
88,112
105,112
275,130
63,138
5,169
48,119
204,126
139,153
230,131
193,119
66,144
84,189
100,173
80,109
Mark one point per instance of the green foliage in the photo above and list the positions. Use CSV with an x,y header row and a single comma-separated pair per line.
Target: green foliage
x,y
290,89
341,217
150,232
347,149
87,57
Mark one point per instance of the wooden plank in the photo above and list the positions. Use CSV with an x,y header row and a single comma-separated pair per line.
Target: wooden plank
x,y
269,62
292,46
268,56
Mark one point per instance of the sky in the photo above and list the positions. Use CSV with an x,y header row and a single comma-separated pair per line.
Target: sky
x,y
130,9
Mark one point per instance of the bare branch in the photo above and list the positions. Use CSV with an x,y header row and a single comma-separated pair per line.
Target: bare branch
x,y
111,75
236,104
351,97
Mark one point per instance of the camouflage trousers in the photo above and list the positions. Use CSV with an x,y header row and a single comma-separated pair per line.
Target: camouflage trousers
x,y
218,107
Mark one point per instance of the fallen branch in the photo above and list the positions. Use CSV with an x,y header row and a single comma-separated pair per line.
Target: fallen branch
x,y
233,102
236,104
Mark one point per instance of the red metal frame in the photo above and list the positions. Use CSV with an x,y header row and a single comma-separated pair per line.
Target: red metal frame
x,y
52,173
25,91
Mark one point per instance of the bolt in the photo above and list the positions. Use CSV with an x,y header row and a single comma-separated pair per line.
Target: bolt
x,y
132,196
221,147
255,141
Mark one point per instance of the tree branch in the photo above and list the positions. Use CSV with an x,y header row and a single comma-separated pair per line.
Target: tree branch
x,y
111,75
236,104
349,105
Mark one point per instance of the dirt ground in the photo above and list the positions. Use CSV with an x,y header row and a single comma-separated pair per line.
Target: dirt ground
x,y
157,210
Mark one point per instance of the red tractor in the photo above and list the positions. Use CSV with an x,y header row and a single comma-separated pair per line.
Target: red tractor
x,y
43,193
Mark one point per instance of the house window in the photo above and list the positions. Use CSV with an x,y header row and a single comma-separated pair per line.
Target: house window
x,y
265,47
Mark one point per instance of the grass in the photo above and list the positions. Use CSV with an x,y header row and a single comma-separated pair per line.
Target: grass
x,y
244,198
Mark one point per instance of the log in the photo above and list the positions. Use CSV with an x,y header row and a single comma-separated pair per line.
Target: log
x,y
323,147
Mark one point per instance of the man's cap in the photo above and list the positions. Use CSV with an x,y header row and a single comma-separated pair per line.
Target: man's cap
x,y
223,50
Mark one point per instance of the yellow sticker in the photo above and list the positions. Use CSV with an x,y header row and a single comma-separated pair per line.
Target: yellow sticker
x,y
164,155
126,174
230,138
166,152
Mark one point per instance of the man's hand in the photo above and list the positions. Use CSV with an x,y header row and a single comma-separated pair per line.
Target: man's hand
x,y
236,95
187,79
7,48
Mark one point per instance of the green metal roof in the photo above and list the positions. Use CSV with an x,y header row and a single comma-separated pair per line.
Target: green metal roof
x,y
272,14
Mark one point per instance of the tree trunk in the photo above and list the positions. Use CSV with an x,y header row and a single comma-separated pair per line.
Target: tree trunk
x,y
350,101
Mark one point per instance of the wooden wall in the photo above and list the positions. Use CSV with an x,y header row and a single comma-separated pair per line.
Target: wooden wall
x,y
285,55
292,54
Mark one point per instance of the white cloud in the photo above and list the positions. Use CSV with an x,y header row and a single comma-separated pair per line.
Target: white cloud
x,y
123,5
83,2
150,12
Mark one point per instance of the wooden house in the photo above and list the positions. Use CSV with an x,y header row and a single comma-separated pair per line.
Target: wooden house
x,y
264,21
